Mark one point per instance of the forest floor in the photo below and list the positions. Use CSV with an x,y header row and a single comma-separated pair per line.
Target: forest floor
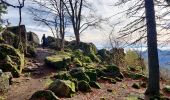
x,y
37,79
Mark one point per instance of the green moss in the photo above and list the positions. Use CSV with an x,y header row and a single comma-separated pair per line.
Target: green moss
x,y
58,61
84,86
63,75
100,72
88,48
87,59
12,59
136,76
64,88
112,68
77,62
92,74
94,84
94,58
79,75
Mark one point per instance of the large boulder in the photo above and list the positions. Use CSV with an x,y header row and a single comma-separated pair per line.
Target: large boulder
x,y
63,88
44,95
114,71
84,86
92,74
17,31
79,74
11,60
87,48
33,38
105,54
58,61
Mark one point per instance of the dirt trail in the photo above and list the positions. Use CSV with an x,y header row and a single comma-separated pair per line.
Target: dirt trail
x,y
30,82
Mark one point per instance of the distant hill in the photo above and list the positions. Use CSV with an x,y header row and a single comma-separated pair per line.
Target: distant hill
x,y
164,58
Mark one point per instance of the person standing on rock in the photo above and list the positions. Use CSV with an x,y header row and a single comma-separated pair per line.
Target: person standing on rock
x,y
43,40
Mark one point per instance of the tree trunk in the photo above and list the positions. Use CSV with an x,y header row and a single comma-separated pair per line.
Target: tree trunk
x,y
153,62
77,37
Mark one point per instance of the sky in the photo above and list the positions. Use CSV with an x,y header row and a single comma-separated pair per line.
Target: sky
x,y
98,37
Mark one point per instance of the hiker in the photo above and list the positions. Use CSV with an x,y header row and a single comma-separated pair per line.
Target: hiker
x,y
43,40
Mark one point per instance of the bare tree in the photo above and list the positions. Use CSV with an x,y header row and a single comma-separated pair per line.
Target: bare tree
x,y
58,22
75,10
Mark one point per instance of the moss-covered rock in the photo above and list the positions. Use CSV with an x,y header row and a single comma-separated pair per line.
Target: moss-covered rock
x,y
87,59
58,61
92,74
94,84
79,74
136,86
84,86
11,60
105,54
44,95
77,62
94,57
100,72
63,75
136,76
88,48
63,88
166,89
114,71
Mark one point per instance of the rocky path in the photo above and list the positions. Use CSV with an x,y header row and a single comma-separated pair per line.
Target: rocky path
x,y
33,78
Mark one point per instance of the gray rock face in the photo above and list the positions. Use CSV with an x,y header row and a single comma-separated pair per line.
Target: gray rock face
x,y
32,37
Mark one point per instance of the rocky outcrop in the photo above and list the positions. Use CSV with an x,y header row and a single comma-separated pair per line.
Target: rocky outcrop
x,y
33,38
11,60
